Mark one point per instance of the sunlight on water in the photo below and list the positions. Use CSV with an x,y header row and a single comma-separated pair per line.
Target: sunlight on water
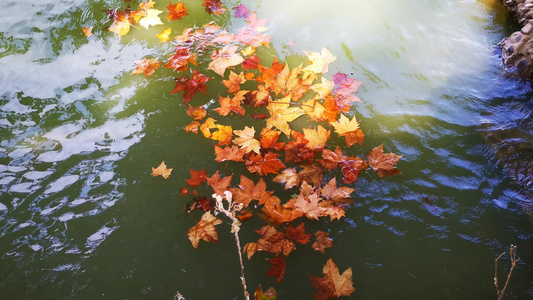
x,y
406,52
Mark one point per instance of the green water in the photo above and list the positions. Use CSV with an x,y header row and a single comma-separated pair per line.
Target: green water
x,y
81,217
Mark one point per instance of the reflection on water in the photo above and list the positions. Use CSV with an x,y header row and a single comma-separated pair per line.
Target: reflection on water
x,y
80,214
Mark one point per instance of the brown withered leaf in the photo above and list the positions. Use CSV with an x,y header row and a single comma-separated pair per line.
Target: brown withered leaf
x,y
382,163
289,177
298,234
219,185
332,285
204,230
233,153
322,241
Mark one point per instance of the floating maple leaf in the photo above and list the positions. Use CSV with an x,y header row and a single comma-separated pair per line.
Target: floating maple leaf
x,y
345,89
88,31
197,177
281,114
164,36
298,234
233,153
191,85
289,177
161,170
196,112
223,135
151,18
246,139
146,66
277,268
249,191
319,61
350,130
176,11
179,61
241,11
234,82
219,185
317,139
121,22
269,294
270,163
228,105
342,194
382,163
333,285
214,7
226,57
309,206
204,230
271,241
322,241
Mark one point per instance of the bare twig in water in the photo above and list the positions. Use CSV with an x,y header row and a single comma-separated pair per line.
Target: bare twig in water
x,y
233,207
514,261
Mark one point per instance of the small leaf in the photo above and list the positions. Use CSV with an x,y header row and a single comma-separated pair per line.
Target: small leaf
x,y
161,170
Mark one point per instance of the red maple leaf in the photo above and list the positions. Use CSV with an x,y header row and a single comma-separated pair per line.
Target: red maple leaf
x,y
179,61
233,153
214,7
197,177
277,268
191,85
298,234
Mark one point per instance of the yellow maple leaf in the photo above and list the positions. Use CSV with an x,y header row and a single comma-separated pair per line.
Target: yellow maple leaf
x,y
223,135
161,170
281,114
234,82
317,138
324,88
206,126
320,61
151,18
87,31
164,36
246,139
345,125
314,110
121,28
226,57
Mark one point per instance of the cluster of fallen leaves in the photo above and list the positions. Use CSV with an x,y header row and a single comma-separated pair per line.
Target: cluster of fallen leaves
x,y
275,95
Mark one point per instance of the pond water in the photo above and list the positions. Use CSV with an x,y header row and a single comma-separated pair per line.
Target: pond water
x,y
81,217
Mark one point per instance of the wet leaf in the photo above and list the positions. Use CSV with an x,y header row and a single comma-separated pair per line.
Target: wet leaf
x,y
197,177
204,230
190,85
151,18
298,234
289,177
88,31
176,11
269,294
277,268
164,36
161,170
382,163
226,57
146,66
333,285
322,241
247,140
233,153
219,185
319,62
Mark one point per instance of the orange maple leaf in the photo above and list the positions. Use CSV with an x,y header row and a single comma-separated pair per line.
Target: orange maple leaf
x,y
383,164
309,206
228,105
176,11
271,241
161,170
181,60
249,191
196,112
214,7
223,135
164,36
270,163
333,285
340,195
317,138
88,31
233,153
298,234
146,66
204,230
233,83
289,177
219,185
197,177
312,173
322,241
